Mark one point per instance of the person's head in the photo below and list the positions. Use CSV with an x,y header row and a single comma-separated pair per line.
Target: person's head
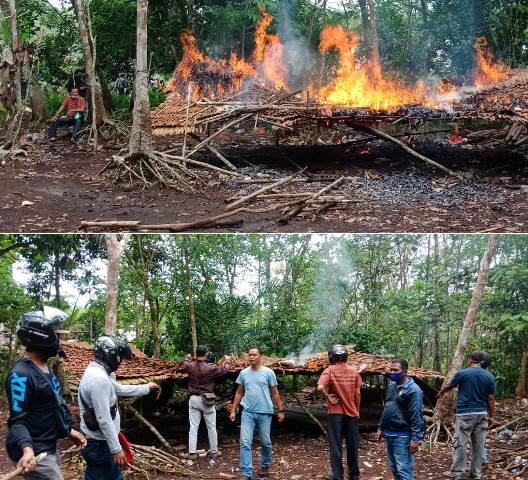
x,y
398,370
479,359
337,354
37,332
111,351
201,351
74,93
254,356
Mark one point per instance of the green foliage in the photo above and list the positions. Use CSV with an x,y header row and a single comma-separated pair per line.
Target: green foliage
x,y
156,97
54,99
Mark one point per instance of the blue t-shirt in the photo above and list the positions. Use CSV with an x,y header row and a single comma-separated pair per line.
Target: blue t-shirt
x,y
474,385
257,384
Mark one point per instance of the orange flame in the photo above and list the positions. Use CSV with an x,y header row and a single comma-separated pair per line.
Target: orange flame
x,y
268,52
487,71
361,85
191,55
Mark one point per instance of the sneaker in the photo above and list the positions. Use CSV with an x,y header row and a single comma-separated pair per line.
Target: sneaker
x,y
190,456
264,472
216,454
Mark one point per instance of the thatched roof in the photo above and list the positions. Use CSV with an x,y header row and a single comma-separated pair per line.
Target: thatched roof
x,y
144,369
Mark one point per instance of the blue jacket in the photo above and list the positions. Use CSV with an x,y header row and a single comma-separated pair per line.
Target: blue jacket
x,y
402,414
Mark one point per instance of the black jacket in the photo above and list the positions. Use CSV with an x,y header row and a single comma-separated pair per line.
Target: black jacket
x,y
403,410
32,409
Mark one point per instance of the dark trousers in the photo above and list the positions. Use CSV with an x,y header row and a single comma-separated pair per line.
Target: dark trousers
x,y
340,426
64,122
100,464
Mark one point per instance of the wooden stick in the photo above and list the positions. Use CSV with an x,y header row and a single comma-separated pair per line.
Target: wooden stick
x,y
167,157
282,181
310,414
149,425
185,128
303,202
408,149
18,471
110,223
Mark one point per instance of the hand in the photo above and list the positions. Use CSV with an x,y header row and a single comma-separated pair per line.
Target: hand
x,y
414,447
333,399
54,118
119,458
379,435
78,438
188,357
28,461
280,417
227,358
232,415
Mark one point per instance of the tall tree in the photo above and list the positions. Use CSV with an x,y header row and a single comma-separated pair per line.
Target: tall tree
x,y
140,142
445,406
114,248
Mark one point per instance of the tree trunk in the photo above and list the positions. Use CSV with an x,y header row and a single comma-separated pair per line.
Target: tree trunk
x,y
154,320
56,273
39,110
9,11
520,390
191,300
445,407
141,137
83,19
374,40
114,248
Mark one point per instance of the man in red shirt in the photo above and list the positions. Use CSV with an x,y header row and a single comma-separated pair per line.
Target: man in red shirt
x,y
340,383
74,106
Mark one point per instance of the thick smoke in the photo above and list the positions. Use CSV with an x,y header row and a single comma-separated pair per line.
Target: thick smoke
x,y
297,54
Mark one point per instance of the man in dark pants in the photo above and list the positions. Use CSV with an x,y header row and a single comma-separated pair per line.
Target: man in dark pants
x,y
402,422
34,395
100,420
340,383
74,105
474,413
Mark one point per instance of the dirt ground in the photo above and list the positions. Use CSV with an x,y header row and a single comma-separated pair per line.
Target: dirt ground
x,y
297,456
57,186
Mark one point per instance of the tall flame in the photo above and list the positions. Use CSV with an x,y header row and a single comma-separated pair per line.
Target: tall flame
x,y
269,52
487,71
361,85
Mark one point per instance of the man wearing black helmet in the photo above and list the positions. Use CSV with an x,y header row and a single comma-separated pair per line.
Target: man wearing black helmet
x,y
340,383
38,415
474,413
100,420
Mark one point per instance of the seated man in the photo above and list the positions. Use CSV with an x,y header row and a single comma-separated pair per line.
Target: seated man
x,y
74,106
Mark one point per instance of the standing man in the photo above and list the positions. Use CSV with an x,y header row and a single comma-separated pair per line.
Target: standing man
x,y
100,419
257,385
474,413
402,422
202,376
340,383
121,84
74,106
78,80
38,415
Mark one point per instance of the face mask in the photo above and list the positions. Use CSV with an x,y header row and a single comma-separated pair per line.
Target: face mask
x,y
47,352
397,376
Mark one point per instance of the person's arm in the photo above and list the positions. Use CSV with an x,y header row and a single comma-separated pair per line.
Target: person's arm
x,y
454,382
236,402
133,390
18,390
491,409
416,419
61,108
357,396
218,370
101,392
322,386
275,395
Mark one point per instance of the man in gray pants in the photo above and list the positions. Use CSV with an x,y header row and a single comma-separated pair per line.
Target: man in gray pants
x,y
474,413
202,383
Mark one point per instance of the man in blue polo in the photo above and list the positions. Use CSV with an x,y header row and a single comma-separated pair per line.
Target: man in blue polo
x,y
474,413
402,422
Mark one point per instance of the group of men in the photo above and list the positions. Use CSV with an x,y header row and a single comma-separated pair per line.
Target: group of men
x,y
39,416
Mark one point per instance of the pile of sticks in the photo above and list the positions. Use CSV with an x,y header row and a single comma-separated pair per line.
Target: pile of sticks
x,y
149,459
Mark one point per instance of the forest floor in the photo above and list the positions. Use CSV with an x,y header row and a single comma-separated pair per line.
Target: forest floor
x,y
297,456
57,186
